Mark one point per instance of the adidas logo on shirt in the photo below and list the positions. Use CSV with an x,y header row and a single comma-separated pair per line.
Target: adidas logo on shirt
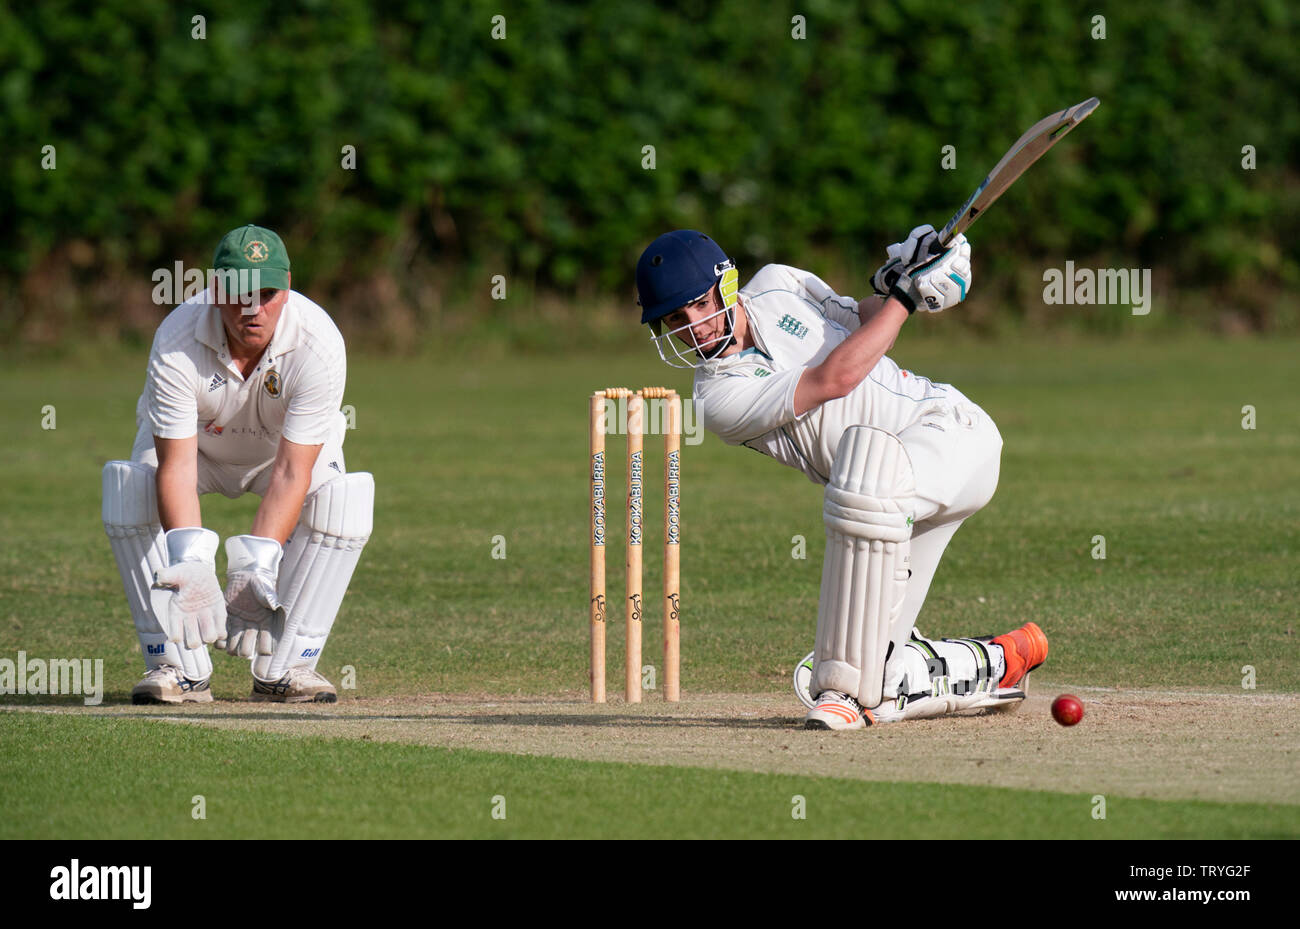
x,y
218,380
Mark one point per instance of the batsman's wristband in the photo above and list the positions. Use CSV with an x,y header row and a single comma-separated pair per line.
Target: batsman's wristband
x,y
902,296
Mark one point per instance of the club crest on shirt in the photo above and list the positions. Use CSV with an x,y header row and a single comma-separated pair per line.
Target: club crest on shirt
x,y
791,325
272,384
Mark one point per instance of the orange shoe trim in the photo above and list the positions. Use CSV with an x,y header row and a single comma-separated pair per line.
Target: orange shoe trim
x,y
847,715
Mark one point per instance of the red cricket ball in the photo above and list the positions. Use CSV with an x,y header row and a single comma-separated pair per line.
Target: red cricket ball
x,y
1067,709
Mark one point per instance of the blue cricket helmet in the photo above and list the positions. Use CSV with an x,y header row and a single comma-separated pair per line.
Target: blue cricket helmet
x,y
677,268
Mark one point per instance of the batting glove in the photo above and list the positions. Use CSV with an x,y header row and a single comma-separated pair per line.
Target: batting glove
x,y
939,283
253,567
904,256
186,596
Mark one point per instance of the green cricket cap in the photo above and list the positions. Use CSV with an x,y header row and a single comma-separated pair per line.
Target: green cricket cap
x,y
251,248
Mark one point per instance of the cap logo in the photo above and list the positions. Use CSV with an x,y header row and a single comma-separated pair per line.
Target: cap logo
x,y
256,250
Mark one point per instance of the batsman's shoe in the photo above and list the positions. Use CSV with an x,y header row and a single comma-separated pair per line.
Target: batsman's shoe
x,y
167,685
803,681
835,710
1024,649
299,685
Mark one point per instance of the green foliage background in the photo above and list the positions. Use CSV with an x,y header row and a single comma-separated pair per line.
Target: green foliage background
x,y
523,156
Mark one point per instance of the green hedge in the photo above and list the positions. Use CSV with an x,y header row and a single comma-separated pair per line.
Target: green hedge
x,y
523,156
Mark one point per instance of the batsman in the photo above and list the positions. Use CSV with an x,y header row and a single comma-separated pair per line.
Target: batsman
x,y
242,395
791,369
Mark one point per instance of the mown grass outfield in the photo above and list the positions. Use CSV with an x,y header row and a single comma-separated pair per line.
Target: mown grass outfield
x,y
471,670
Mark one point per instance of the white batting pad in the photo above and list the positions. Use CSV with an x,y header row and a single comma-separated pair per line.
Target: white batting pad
x,y
319,559
868,516
949,677
130,513
971,703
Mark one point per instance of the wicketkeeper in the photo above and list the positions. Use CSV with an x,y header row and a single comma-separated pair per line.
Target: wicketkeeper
x,y
789,368
242,395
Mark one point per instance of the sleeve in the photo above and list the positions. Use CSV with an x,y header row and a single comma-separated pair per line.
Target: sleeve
x,y
843,310
171,395
742,406
314,402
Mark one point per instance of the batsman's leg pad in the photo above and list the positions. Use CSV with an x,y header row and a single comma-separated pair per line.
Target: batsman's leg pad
x,y
945,677
938,666
319,559
868,516
130,514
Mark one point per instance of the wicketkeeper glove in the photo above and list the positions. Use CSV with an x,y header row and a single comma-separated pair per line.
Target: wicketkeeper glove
x,y
186,596
253,567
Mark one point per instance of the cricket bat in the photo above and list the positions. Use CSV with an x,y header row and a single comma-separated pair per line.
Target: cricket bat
x,y
1031,146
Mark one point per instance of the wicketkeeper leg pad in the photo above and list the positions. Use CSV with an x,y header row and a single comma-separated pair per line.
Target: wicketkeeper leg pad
x,y
130,513
317,567
868,516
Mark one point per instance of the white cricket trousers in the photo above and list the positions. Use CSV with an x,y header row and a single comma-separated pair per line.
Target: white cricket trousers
x,y
235,480
956,453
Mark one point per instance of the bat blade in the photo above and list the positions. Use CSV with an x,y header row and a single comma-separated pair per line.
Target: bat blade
x,y
1031,146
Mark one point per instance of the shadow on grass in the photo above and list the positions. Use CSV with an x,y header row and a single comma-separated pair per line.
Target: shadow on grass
x,y
306,712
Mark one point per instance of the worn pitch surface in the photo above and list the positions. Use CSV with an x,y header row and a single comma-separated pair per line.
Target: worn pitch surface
x,y
1165,746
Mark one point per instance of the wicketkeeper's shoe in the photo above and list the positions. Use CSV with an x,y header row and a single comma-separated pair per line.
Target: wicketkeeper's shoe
x,y
299,685
167,685
834,710
1024,649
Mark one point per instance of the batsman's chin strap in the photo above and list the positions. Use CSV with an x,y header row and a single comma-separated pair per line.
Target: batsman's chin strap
x,y
723,344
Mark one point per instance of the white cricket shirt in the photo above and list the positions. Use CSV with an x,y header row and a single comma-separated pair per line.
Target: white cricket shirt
x,y
796,321
193,386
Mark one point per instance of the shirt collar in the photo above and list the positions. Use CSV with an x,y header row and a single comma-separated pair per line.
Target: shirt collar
x,y
210,331
287,331
759,347
755,330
